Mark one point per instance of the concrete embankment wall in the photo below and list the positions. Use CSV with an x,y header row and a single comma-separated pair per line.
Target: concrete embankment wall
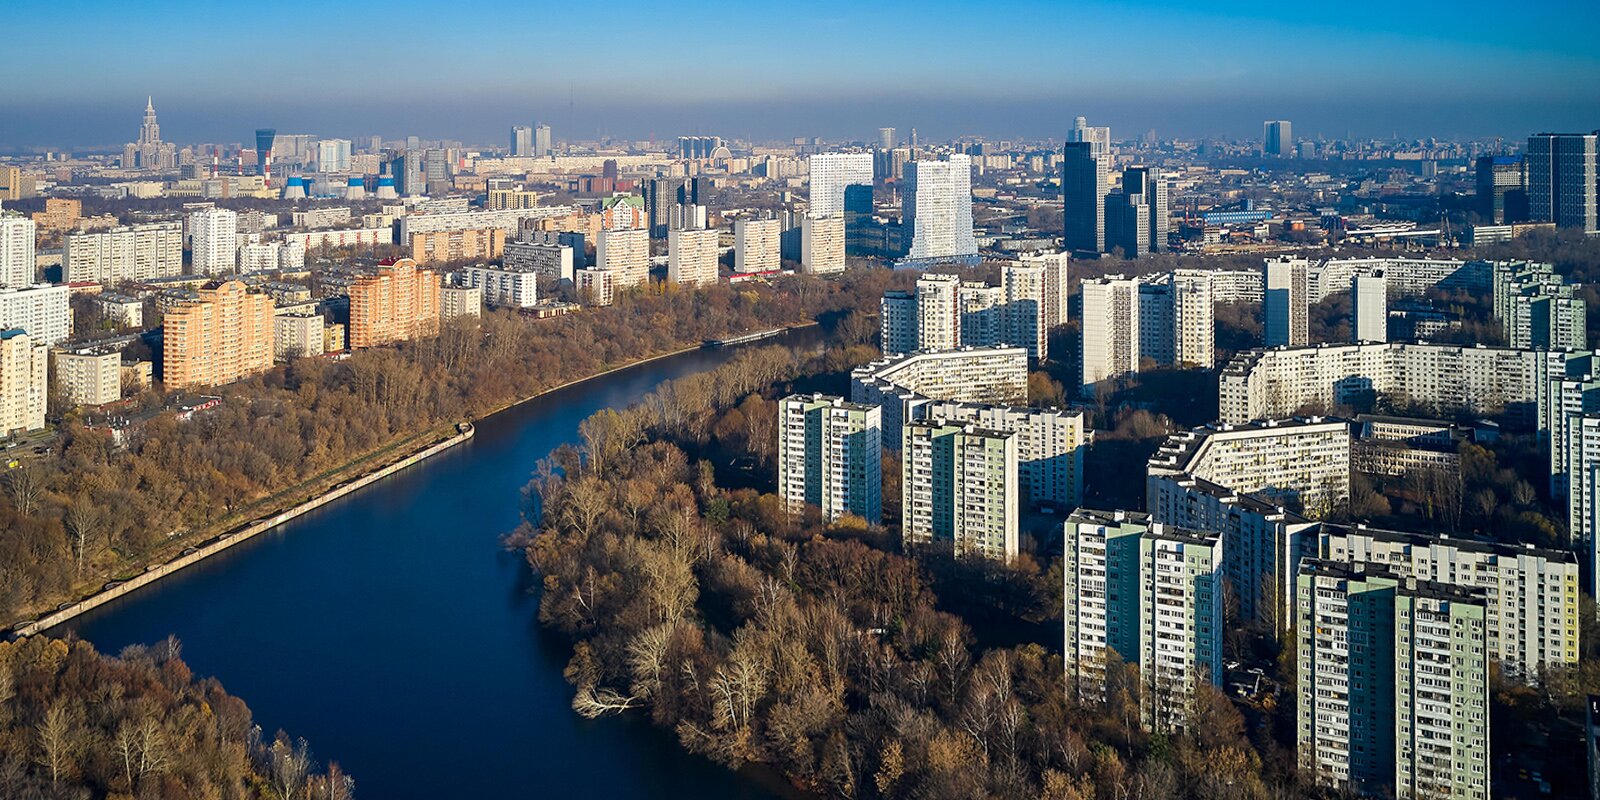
x,y
234,537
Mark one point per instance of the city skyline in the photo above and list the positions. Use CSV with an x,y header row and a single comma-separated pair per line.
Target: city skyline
x,y
870,67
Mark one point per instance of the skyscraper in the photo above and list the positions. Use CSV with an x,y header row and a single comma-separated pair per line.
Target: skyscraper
x,y
1502,194
24,381
521,141
661,194
1136,217
822,245
1024,298
395,302
264,137
543,141
1194,332
898,322
625,252
960,490
886,138
830,455
1084,175
1562,180
1285,302
1098,137
1369,307
1277,138
938,210
149,152
333,155
831,175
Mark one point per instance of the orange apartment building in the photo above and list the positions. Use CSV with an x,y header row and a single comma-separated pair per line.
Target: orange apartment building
x,y
479,244
219,338
394,303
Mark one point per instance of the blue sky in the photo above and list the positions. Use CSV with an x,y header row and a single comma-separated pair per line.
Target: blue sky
x,y
81,70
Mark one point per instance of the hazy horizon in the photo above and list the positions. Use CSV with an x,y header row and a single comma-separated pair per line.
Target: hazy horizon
x,y
839,71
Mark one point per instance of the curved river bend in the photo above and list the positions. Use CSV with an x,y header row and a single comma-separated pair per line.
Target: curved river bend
x,y
390,630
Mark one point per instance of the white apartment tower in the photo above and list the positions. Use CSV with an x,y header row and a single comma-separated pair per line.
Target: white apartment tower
x,y
692,256
17,260
938,312
756,245
214,234
1369,308
822,245
830,456
1110,334
1286,301
625,253
831,175
938,209
1194,331
1025,324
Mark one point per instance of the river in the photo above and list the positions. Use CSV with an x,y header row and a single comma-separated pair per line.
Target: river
x,y
390,630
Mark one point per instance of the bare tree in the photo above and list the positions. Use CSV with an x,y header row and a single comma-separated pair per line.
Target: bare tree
x,y
55,742
83,521
26,487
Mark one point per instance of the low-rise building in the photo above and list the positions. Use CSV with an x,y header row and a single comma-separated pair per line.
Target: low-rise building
x,y
89,375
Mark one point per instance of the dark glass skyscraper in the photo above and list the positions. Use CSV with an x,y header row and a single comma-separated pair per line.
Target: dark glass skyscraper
x,y
1562,179
1084,168
264,137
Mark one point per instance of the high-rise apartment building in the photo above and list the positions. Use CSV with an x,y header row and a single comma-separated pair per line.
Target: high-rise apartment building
x,y
42,310
938,210
1194,330
395,302
1286,303
1369,308
1583,493
1085,181
1393,683
521,141
960,490
1151,594
1565,398
548,259
661,194
938,312
624,253
832,175
502,288
1302,463
1563,179
983,322
225,334
757,245
214,236
692,257
333,155
1537,308
127,253
900,384
1050,446
898,322
1277,138
596,287
472,244
1110,333
1531,594
822,245
830,455
24,382
544,144
17,259
1025,326
1448,379
1056,297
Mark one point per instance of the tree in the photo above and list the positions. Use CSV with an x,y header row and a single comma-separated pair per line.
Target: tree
x,y
26,487
83,521
55,742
